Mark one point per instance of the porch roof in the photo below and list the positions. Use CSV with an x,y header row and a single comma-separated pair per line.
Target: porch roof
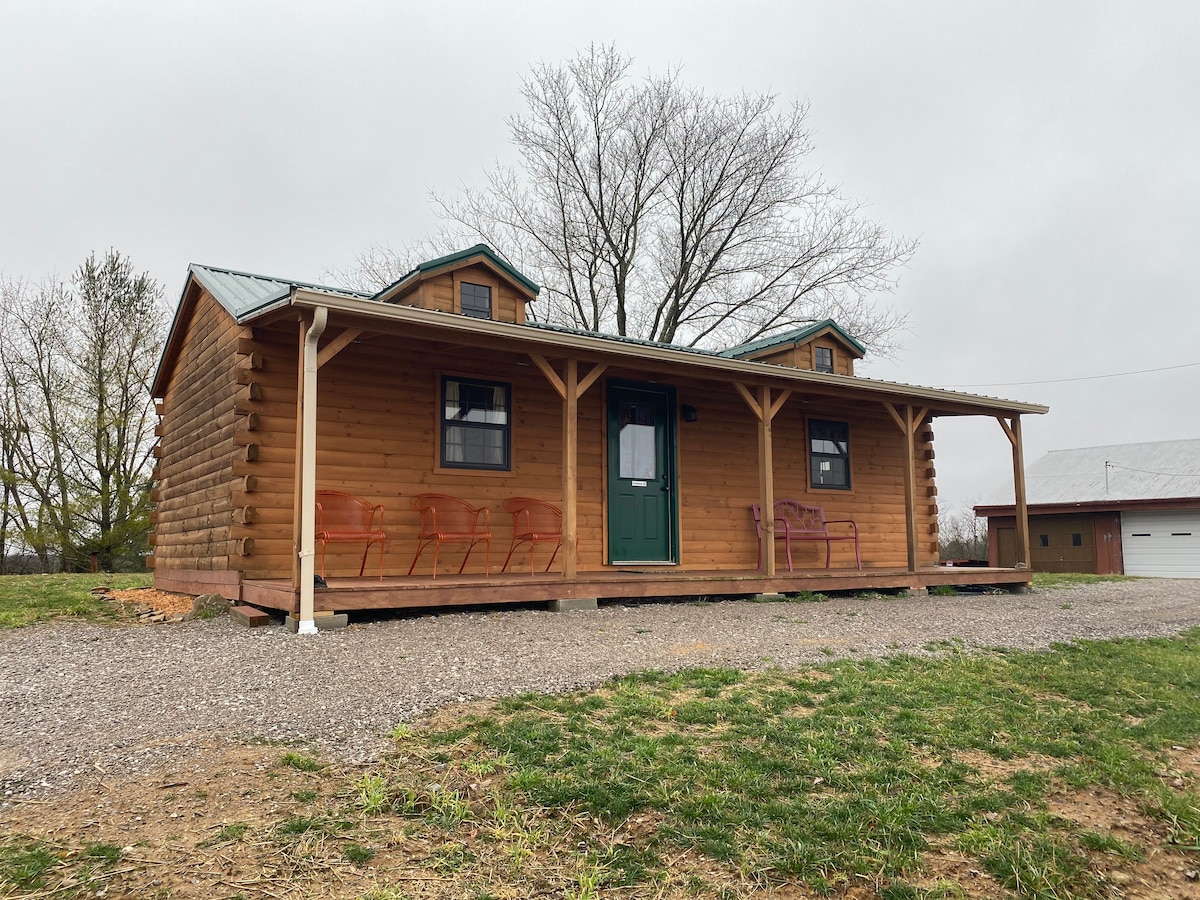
x,y
553,341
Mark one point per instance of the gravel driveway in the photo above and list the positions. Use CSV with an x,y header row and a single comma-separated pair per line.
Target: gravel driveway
x,y
77,697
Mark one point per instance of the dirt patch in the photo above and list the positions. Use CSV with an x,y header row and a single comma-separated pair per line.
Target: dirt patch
x,y
995,769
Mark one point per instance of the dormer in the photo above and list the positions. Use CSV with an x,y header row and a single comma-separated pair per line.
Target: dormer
x,y
474,282
821,347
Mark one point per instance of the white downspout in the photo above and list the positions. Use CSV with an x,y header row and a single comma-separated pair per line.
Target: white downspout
x,y
308,472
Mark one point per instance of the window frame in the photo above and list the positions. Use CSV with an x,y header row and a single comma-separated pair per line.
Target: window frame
x,y
817,365
476,312
442,463
813,457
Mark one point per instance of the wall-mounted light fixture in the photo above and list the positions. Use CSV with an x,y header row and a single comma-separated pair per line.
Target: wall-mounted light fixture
x,y
689,413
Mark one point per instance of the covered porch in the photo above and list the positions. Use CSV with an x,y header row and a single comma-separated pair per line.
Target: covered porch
x,y
571,365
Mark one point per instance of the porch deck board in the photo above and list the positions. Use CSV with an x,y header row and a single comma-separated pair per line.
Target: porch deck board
x,y
396,592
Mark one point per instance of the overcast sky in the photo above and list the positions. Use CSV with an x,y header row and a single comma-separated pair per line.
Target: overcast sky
x,y
1047,156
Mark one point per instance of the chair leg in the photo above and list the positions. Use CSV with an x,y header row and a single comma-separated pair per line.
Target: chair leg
x,y
382,551
363,567
511,548
421,546
468,556
828,548
323,543
788,543
553,555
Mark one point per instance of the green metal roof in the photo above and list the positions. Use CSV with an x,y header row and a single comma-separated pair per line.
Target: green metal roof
x,y
451,258
242,294
799,336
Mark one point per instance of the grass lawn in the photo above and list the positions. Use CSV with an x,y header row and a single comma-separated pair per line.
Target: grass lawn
x,y
26,599
1060,774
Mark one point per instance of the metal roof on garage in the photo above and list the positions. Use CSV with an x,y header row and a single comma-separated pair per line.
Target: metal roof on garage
x,y
1157,470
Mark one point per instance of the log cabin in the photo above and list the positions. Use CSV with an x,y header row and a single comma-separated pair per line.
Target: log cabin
x,y
271,390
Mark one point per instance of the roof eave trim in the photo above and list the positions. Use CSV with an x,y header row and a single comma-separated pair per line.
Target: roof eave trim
x,y
308,299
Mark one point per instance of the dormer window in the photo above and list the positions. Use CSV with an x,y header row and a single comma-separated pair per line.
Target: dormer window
x,y
823,359
476,300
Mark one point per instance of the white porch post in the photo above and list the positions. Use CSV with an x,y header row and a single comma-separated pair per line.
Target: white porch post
x,y
308,472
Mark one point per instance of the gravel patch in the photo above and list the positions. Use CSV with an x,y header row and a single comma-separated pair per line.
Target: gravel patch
x,y
77,698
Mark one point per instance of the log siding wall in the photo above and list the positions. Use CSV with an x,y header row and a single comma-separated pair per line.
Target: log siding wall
x,y
193,515
377,435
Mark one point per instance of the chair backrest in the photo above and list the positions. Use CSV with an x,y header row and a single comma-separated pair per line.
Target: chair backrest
x,y
339,511
532,516
443,512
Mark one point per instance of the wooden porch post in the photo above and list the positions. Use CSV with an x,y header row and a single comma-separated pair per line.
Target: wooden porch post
x,y
570,388
908,424
570,469
764,410
766,481
1012,429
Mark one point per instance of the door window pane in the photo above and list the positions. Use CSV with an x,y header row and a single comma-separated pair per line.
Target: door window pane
x,y
637,443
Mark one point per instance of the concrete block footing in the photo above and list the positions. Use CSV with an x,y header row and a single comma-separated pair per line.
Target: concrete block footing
x,y
770,597
917,592
323,621
581,603
1019,588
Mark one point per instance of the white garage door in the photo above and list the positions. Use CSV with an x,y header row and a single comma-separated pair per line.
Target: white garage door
x,y
1166,544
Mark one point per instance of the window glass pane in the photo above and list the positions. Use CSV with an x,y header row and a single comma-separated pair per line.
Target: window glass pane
x,y
829,454
475,424
476,300
637,443
823,359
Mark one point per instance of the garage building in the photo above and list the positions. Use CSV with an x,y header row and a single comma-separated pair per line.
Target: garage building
x,y
1131,509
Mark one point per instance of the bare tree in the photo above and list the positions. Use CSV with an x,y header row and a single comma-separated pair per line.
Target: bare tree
x,y
77,362
962,535
652,209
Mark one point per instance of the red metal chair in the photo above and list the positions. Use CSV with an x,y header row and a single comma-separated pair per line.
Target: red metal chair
x,y
794,521
449,520
534,522
345,519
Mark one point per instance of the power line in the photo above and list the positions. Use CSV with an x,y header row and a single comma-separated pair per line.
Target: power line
x,y
1113,465
1081,378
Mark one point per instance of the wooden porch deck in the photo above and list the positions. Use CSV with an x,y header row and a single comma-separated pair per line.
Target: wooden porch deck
x,y
347,594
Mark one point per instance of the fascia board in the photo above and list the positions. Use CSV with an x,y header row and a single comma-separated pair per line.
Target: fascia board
x,y
968,404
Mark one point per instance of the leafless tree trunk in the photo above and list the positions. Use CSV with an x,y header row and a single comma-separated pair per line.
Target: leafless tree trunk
x,y
651,209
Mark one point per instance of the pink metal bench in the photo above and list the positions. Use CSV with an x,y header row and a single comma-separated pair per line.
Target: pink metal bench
x,y
794,521
345,519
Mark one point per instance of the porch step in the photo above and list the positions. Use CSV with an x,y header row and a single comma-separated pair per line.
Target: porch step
x,y
249,616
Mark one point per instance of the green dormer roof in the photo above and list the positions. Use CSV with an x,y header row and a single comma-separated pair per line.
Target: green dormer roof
x,y
792,338
449,260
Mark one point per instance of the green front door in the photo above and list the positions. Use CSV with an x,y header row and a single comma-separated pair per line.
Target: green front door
x,y
641,474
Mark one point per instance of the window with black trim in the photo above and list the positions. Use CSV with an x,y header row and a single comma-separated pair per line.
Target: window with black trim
x,y
475,424
829,454
475,300
823,359
1044,540
1077,540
